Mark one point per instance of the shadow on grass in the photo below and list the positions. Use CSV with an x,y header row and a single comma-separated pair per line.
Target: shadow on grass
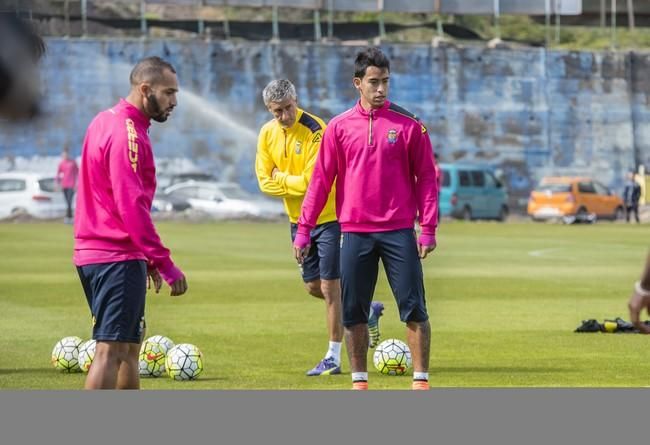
x,y
498,369
36,371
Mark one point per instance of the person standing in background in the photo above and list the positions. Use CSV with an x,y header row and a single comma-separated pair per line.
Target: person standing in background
x,y
66,178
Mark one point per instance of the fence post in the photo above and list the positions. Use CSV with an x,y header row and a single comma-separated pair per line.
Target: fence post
x,y
558,11
84,18
630,14
497,13
613,38
276,25
143,18
330,19
382,27
200,23
317,32
226,22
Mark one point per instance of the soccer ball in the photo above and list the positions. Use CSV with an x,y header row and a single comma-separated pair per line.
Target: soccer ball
x,y
162,340
392,357
87,354
152,359
65,355
184,362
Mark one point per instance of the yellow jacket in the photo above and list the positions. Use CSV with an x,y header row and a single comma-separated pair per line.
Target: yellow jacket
x,y
293,151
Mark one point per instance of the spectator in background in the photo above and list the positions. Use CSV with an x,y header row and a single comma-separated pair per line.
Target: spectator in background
x,y
631,195
66,178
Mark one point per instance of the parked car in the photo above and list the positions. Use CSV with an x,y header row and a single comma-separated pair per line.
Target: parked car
x,y
165,181
576,198
471,191
30,194
168,203
224,200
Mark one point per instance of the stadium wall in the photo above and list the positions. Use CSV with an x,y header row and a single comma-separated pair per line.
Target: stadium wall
x,y
528,112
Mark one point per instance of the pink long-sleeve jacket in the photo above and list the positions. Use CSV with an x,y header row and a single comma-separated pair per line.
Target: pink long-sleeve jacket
x,y
383,164
117,182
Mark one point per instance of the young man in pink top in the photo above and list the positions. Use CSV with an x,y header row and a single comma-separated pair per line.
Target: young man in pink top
x,y
381,159
66,177
116,246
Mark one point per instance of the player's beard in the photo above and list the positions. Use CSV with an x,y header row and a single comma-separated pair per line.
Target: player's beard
x,y
153,109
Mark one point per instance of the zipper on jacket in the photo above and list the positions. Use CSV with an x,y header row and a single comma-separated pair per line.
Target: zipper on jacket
x,y
284,130
370,128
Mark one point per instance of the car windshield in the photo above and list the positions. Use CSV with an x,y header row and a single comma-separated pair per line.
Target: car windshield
x,y
47,185
554,188
234,192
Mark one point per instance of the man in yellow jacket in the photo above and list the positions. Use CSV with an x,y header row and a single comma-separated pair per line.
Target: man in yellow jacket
x,y
287,148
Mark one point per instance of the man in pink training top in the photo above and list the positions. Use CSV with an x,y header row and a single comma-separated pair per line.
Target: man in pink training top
x,y
116,246
66,178
382,161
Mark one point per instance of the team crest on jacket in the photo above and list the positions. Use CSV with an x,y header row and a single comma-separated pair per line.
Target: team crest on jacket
x,y
392,136
298,149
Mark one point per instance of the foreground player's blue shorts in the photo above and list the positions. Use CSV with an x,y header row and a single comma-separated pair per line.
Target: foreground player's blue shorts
x,y
116,295
360,255
324,260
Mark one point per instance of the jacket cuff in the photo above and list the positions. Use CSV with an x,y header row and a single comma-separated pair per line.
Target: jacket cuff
x,y
302,239
170,273
427,240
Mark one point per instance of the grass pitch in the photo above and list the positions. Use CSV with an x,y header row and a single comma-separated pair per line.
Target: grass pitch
x,y
504,300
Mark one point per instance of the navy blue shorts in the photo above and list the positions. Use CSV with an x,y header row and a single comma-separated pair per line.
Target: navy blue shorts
x,y
324,259
116,294
360,255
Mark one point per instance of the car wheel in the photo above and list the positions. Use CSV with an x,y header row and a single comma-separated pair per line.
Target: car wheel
x,y
582,215
467,214
503,214
17,211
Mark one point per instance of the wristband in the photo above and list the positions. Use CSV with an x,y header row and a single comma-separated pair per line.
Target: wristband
x,y
641,291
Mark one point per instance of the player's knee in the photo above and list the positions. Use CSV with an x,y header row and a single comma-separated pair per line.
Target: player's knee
x,y
314,288
331,290
112,351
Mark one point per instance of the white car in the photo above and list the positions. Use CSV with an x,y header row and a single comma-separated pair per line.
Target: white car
x,y
225,200
30,194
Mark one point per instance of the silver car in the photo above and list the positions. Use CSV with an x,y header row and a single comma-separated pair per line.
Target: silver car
x,y
225,200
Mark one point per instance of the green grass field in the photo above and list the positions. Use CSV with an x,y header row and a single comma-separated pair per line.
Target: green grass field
x,y
504,300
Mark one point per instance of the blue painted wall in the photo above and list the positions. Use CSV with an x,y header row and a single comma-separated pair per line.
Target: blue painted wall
x,y
528,112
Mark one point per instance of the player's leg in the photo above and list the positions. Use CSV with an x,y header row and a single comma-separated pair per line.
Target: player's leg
x,y
325,245
117,294
359,268
636,213
128,376
403,267
309,269
103,374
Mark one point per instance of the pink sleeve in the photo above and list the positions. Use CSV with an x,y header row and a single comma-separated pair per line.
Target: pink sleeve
x,y
59,170
131,202
321,183
426,187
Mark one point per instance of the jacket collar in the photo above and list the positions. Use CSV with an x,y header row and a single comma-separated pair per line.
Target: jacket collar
x,y
376,111
134,113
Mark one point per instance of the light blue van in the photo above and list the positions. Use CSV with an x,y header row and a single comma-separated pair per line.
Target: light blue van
x,y
471,191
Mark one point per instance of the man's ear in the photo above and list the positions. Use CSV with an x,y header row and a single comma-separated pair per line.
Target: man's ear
x,y
356,82
144,89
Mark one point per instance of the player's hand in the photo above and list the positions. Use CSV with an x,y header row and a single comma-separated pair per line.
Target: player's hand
x,y
636,305
423,251
154,275
179,287
273,172
300,253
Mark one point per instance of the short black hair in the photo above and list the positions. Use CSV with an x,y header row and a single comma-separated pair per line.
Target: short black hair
x,y
149,69
370,57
